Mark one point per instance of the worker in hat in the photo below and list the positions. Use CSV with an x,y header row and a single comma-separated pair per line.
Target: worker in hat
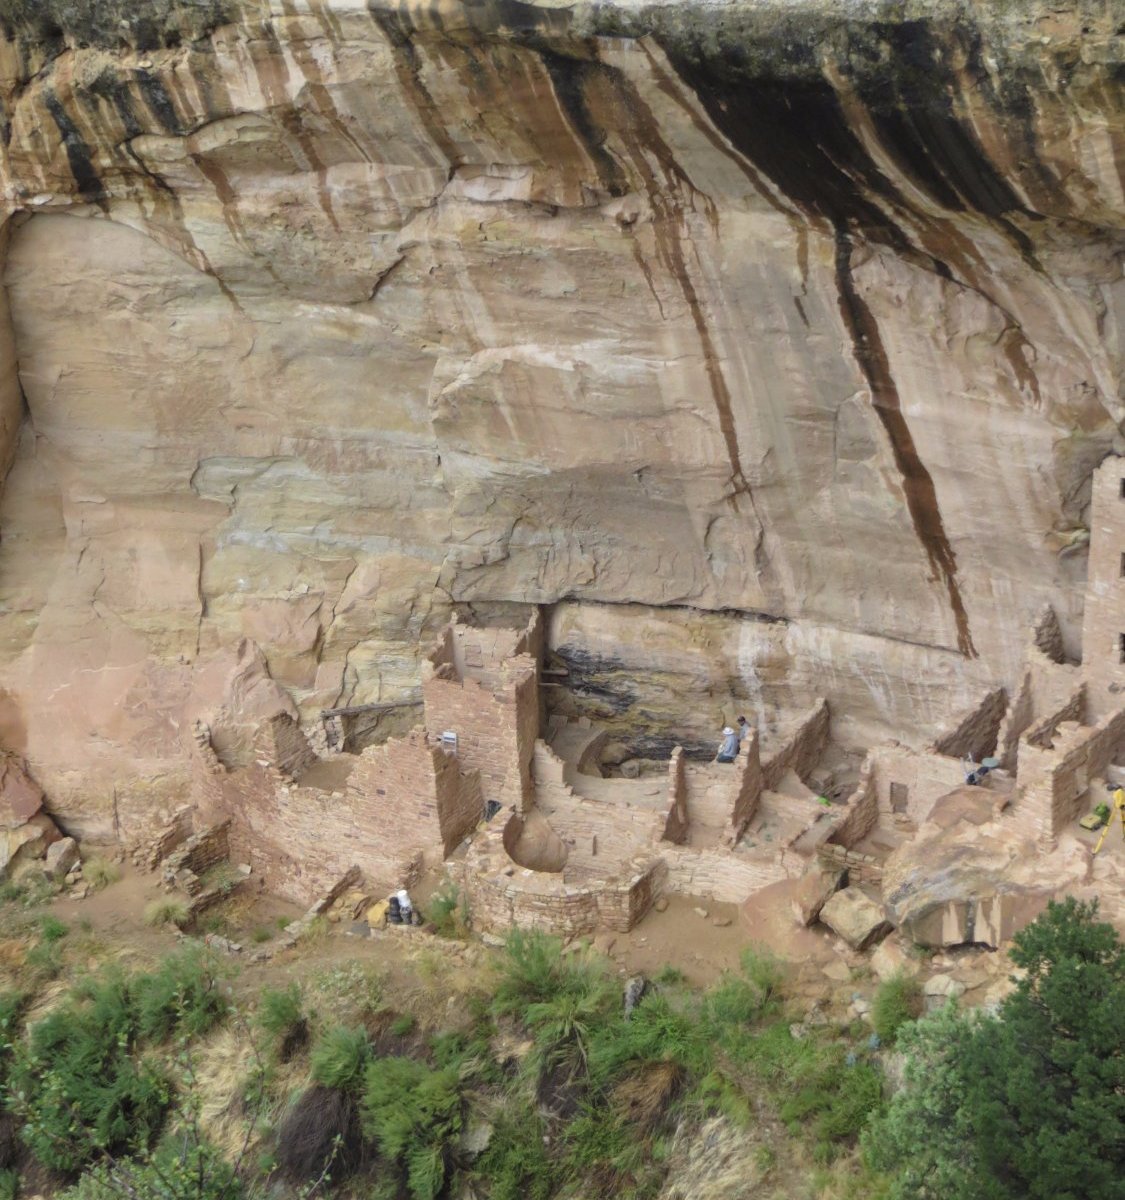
x,y
728,750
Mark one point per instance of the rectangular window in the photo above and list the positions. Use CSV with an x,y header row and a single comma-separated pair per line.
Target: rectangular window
x,y
1121,647
1123,564
1123,489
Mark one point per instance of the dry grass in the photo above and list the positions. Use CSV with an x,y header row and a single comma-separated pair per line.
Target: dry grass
x,y
167,910
642,1098
99,872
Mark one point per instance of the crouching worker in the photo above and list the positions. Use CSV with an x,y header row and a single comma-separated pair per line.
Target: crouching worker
x,y
728,750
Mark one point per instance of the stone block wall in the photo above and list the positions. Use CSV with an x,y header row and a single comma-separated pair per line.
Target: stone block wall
x,y
1054,780
499,902
1042,732
747,789
862,813
599,836
281,743
197,856
911,781
676,822
495,730
861,868
977,730
1046,636
718,874
1103,624
800,749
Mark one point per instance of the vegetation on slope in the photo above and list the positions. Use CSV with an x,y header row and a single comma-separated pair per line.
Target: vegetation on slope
x,y
160,1085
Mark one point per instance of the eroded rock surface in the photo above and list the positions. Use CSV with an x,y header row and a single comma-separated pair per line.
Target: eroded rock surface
x,y
778,340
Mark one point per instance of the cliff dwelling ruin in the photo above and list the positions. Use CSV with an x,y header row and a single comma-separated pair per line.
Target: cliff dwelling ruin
x,y
426,426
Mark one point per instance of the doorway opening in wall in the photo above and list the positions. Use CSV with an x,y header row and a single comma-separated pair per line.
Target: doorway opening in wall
x,y
491,808
1121,647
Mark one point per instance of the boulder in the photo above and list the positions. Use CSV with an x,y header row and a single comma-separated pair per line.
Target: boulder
x,y
813,889
889,958
20,796
855,917
62,856
969,878
26,843
939,989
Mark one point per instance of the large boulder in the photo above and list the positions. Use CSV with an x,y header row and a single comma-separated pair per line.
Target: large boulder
x,y
20,796
813,890
858,919
61,856
971,876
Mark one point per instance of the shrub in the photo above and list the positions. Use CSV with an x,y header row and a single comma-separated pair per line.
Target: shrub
x,y
515,1166
51,929
167,910
403,1025
449,911
184,1169
897,1001
281,1017
534,970
260,934
339,1057
1028,1105
182,995
414,1114
44,961
9,1184
670,976
99,872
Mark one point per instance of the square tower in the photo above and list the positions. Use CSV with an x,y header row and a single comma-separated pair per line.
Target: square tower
x,y
1103,622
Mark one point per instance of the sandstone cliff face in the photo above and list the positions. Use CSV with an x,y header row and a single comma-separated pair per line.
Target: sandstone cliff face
x,y
326,315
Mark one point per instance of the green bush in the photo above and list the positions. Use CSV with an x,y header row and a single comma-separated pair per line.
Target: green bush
x,y
51,929
1028,1105
414,1114
182,995
281,1017
516,1166
897,1001
534,970
9,1184
44,961
80,1085
183,1169
339,1057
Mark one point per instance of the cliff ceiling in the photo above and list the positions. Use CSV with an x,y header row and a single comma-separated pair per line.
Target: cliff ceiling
x,y
798,321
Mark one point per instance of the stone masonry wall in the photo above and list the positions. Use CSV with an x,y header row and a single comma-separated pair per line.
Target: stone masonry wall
x,y
863,809
281,743
976,733
717,874
1103,624
492,727
748,787
403,799
861,868
599,836
1054,781
800,749
676,822
911,781
1042,732
498,902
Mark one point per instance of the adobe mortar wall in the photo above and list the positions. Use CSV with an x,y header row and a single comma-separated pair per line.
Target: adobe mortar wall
x,y
976,732
676,821
717,874
863,809
799,750
927,777
1103,624
1055,780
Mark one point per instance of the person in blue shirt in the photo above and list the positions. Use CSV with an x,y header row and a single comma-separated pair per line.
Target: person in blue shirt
x,y
731,744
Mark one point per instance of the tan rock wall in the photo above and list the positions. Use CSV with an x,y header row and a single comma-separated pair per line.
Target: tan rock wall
x,y
331,316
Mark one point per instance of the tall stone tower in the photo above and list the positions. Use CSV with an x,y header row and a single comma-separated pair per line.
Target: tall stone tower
x,y
1103,625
